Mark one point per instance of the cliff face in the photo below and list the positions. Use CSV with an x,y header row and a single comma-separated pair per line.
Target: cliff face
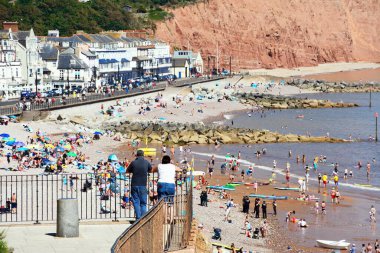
x,y
277,33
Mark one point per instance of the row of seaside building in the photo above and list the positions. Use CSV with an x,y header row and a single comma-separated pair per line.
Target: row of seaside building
x,y
42,63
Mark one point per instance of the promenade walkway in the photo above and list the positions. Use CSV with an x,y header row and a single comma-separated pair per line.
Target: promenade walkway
x,y
93,238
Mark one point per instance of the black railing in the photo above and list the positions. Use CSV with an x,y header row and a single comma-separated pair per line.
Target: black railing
x,y
60,102
33,198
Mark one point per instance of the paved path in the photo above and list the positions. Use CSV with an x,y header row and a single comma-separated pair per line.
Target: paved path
x,y
94,238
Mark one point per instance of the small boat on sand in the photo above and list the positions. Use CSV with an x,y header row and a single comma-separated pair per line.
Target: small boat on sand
x,y
287,188
268,197
220,188
333,244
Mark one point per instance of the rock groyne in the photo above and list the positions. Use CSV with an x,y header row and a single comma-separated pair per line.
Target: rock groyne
x,y
338,87
283,102
198,133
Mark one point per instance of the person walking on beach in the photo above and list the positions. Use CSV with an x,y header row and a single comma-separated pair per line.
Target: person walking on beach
x,y
139,193
255,186
246,203
319,179
372,214
229,205
323,206
257,208
324,180
368,170
287,177
264,209
274,205
316,207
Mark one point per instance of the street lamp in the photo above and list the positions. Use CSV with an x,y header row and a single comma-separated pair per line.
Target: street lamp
x,y
36,82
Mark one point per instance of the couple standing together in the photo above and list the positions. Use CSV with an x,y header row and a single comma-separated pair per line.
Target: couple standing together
x,y
140,169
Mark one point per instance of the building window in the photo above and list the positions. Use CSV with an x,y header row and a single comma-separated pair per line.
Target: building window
x,y
3,73
30,72
77,74
16,72
61,74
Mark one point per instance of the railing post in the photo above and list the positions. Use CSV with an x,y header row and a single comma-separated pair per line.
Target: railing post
x,y
115,216
37,222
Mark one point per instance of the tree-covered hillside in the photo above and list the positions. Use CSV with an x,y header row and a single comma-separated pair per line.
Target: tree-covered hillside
x,y
93,16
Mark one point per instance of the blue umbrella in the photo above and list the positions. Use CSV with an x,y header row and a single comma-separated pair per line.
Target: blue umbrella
x,y
12,116
98,133
19,144
4,135
22,149
59,149
10,143
112,157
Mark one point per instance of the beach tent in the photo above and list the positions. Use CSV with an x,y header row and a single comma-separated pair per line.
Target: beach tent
x,y
4,135
112,157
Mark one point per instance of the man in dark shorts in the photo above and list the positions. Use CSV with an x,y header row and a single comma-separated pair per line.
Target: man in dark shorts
x,y
139,193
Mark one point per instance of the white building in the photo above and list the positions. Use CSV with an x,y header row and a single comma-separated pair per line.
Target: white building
x,y
195,60
10,66
31,62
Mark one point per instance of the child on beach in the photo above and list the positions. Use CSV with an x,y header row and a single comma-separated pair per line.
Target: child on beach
x,y
316,207
255,186
323,206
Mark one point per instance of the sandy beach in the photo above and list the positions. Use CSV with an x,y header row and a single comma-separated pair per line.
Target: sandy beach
x,y
88,118
321,68
184,112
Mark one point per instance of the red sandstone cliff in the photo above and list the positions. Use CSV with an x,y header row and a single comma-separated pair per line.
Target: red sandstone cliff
x,y
277,33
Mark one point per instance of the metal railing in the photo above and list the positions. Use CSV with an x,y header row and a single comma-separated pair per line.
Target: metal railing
x,y
195,80
79,100
33,198
166,227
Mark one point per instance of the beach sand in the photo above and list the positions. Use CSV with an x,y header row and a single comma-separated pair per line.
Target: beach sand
x,y
187,111
321,68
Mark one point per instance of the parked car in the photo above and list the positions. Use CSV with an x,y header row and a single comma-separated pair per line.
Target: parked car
x,y
57,92
91,89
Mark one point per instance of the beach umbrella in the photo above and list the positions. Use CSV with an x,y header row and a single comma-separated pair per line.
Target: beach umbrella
x,y
98,133
67,147
4,135
19,144
9,139
10,143
22,149
4,117
59,149
112,157
33,146
12,117
71,154
49,145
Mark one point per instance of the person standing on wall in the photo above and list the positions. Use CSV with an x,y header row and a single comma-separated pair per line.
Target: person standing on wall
x,y
139,192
